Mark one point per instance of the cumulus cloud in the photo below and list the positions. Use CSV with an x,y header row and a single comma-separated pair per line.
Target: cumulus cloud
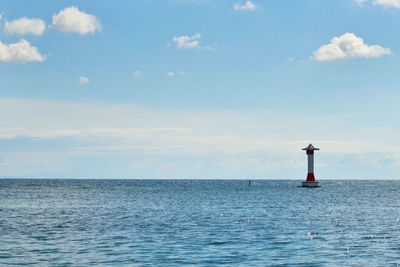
x,y
187,42
349,46
246,6
71,19
83,80
18,53
388,3
25,26
170,74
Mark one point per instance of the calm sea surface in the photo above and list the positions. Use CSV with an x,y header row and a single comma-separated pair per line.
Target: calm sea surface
x,y
199,222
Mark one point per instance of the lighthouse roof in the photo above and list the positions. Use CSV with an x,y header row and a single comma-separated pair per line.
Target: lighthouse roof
x,y
310,147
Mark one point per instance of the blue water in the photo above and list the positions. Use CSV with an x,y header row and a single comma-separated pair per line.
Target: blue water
x,y
199,222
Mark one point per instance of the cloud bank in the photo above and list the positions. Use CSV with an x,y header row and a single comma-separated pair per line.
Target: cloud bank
x,y
55,133
349,46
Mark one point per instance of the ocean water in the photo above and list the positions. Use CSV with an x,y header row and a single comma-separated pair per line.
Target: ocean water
x,y
198,223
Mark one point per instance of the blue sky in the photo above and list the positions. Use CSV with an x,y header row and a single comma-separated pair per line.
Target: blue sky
x,y
199,88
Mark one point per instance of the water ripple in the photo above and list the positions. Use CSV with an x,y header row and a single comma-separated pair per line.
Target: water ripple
x,y
198,222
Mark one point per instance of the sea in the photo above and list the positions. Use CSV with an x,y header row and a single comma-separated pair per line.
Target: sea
x,y
83,222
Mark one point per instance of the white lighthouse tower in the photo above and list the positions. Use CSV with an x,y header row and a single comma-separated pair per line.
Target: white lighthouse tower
x,y
310,181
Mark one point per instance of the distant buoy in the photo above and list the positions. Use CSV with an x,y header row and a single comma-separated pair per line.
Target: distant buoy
x,y
310,180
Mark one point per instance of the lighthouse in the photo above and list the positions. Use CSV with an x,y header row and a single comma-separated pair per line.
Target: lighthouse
x,y
310,181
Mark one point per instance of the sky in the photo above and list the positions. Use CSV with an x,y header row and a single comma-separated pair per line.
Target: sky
x,y
214,89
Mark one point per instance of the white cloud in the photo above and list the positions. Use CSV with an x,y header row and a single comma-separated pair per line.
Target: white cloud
x,y
349,46
71,19
388,3
180,73
187,42
138,73
18,53
83,80
25,26
246,6
1,16
384,3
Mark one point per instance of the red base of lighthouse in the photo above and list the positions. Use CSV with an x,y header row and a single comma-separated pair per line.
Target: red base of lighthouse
x,y
310,181
310,177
